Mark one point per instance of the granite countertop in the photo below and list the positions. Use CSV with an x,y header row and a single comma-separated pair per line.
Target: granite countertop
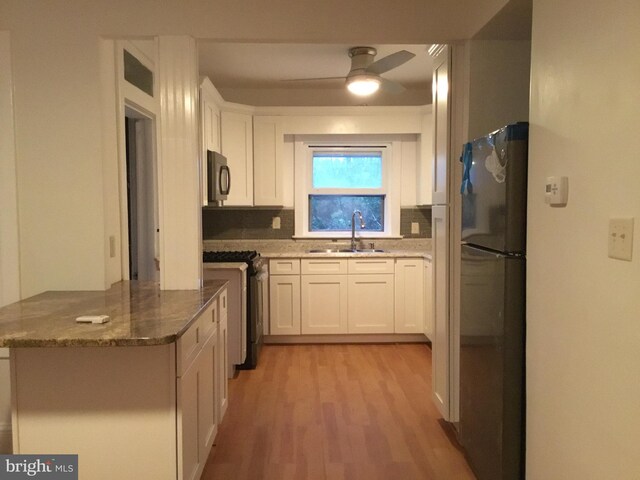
x,y
141,315
386,253
225,265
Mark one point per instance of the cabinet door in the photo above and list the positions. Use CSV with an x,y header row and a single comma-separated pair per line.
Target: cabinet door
x,y
223,369
441,95
324,304
188,461
428,300
284,304
370,304
237,146
424,187
268,146
440,341
209,128
409,296
207,395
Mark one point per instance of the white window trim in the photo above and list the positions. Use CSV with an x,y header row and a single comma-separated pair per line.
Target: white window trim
x,y
391,164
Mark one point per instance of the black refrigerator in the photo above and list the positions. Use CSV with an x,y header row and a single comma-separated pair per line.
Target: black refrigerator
x,y
492,303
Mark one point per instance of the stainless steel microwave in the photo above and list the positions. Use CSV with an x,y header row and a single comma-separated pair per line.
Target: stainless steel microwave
x,y
218,177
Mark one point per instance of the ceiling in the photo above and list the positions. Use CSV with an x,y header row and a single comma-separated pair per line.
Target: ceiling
x,y
257,74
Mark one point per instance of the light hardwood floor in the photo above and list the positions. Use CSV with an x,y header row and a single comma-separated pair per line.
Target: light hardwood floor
x,y
335,412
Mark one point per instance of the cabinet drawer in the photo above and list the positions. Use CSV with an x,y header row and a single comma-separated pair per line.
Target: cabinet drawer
x,y
284,266
324,266
189,344
371,265
209,320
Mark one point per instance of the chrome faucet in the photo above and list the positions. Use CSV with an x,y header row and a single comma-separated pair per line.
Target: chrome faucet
x,y
353,227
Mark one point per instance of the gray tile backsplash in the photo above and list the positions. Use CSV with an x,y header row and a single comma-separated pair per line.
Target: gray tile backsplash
x,y
255,224
245,223
419,215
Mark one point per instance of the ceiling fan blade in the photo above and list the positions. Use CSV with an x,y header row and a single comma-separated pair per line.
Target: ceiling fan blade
x,y
310,79
391,86
390,62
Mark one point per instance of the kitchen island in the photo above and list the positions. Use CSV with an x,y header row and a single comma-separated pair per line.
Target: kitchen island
x,y
136,397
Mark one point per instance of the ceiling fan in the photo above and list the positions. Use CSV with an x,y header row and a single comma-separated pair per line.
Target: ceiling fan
x,y
364,77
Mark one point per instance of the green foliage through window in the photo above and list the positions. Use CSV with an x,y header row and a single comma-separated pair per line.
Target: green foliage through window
x,y
332,213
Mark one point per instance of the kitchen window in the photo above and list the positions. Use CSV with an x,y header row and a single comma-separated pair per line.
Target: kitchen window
x,y
335,180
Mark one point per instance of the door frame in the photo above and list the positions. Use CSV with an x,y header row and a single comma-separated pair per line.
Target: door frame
x,y
9,226
134,103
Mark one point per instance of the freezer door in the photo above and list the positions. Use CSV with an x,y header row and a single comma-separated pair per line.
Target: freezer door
x,y
492,327
494,193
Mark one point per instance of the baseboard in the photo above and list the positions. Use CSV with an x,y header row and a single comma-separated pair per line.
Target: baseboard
x,y
5,439
362,338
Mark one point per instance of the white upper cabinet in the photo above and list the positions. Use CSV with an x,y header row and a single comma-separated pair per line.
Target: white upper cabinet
x,y
268,151
209,127
424,167
441,95
237,146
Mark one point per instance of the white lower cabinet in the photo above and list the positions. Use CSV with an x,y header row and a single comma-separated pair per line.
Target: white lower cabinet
x,y
284,304
222,364
409,296
317,296
324,304
197,425
428,299
371,303
201,387
208,395
189,463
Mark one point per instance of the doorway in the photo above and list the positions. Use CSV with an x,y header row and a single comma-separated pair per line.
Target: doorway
x,y
141,197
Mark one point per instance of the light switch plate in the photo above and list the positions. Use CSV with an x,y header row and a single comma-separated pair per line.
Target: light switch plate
x,y
275,223
621,238
415,227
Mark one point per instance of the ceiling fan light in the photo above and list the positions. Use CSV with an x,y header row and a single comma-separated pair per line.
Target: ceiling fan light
x,y
363,85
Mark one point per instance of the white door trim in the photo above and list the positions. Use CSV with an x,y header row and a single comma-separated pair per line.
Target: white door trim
x,y
9,235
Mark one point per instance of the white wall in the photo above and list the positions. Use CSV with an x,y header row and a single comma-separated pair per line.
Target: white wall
x,y
498,84
583,335
59,155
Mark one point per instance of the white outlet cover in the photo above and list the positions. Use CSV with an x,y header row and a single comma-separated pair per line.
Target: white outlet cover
x,y
415,227
621,238
275,223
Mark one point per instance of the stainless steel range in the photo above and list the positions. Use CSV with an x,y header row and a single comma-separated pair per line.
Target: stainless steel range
x,y
256,275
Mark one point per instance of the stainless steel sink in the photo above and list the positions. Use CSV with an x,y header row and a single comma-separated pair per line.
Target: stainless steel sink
x,y
369,250
324,250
